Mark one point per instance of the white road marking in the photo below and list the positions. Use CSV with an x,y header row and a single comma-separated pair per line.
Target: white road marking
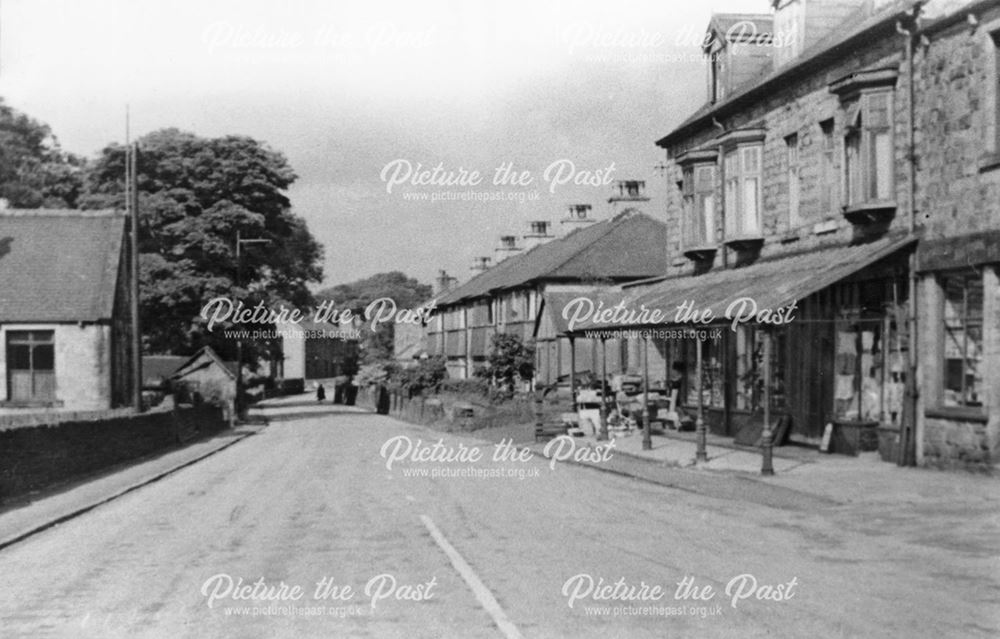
x,y
482,593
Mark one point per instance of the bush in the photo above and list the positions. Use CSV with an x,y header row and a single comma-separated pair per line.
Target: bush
x,y
473,386
425,376
375,373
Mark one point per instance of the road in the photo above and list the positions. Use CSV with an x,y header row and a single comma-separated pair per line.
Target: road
x,y
310,500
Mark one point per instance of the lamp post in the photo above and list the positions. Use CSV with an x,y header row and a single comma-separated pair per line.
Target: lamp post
x,y
240,241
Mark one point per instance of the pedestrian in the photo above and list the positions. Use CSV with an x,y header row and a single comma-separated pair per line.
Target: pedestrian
x,y
320,393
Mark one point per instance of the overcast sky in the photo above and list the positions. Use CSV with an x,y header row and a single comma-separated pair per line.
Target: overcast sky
x,y
345,89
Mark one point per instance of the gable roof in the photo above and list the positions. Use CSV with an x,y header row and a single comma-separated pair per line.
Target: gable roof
x,y
209,357
630,245
59,265
160,367
860,27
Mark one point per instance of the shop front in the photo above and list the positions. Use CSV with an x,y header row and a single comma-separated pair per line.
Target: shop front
x,y
831,323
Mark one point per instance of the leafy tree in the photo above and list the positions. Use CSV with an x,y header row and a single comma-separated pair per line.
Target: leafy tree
x,y
34,170
195,195
405,291
509,360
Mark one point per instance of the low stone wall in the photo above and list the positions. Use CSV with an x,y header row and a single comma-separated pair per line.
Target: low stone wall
x,y
954,444
35,456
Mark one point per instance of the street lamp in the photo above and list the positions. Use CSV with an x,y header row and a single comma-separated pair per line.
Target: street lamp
x,y
240,241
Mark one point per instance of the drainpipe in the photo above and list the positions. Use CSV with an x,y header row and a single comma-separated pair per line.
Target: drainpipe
x,y
911,441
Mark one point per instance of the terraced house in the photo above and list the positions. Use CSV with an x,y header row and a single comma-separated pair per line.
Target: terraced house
x,y
511,296
854,173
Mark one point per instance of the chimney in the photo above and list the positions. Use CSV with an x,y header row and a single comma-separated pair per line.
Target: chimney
x,y
577,216
540,234
443,282
480,264
508,246
626,194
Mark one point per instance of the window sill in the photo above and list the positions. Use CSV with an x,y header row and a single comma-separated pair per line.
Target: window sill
x,y
989,161
745,243
701,253
869,212
53,403
969,414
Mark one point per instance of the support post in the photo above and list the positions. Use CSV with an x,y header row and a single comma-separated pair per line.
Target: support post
x,y
699,425
767,438
572,371
647,432
602,434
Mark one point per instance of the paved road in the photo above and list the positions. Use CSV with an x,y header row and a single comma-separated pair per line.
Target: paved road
x,y
310,498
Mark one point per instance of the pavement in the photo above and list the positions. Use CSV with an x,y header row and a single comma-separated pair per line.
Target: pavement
x,y
814,476
36,512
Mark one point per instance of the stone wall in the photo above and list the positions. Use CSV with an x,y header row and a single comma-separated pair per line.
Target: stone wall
x,y
37,456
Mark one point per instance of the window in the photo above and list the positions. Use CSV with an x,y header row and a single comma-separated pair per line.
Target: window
x,y
868,149
30,366
699,205
963,339
828,194
792,174
741,167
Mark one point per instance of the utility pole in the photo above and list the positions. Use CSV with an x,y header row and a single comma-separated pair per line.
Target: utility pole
x,y
240,241
132,217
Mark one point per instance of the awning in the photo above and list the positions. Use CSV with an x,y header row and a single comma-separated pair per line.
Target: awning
x,y
551,323
771,284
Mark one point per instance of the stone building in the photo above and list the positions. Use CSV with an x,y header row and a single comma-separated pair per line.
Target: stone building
x,y
64,311
511,296
855,175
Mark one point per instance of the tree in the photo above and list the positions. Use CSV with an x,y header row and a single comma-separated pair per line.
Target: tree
x,y
34,170
195,195
510,360
405,291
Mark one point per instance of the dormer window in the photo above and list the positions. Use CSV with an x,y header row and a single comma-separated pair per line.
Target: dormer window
x,y
508,241
539,228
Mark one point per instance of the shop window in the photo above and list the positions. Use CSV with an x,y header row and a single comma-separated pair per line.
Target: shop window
x,y
742,169
30,366
698,189
868,161
963,339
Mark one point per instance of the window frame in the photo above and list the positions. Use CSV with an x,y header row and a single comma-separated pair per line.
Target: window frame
x,y
862,166
736,177
965,323
33,339
793,179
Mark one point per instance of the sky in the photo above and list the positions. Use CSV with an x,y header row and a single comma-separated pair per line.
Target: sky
x,y
367,99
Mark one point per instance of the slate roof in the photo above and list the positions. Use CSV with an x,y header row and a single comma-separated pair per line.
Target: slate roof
x,y
59,265
210,357
159,368
631,245
832,47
